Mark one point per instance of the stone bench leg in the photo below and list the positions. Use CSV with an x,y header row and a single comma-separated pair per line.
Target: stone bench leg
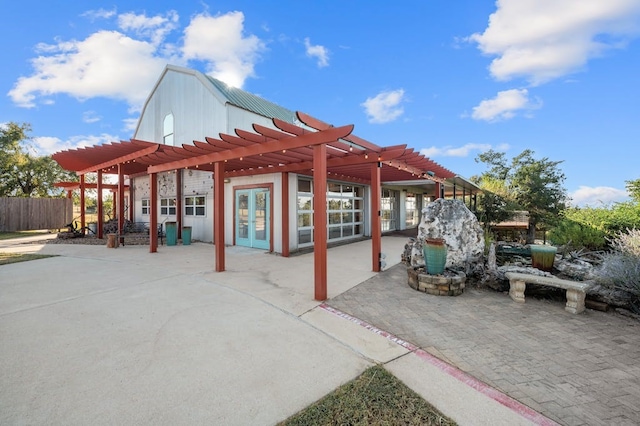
x,y
516,290
575,301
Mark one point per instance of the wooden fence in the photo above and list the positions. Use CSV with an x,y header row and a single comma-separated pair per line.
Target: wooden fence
x,y
26,214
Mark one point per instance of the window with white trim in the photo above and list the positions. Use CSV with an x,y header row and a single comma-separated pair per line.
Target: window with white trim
x,y
146,205
168,206
195,206
167,130
345,211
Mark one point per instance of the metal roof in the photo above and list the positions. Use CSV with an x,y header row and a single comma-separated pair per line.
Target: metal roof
x,y
251,102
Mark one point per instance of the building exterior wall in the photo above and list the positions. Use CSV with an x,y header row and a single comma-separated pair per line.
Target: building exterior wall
x,y
199,110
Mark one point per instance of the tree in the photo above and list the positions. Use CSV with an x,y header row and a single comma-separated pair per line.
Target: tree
x,y
493,203
23,174
533,185
633,186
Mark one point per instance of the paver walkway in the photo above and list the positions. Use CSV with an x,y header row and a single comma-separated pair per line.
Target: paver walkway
x,y
575,369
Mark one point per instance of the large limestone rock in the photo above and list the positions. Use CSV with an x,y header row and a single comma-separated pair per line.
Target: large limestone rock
x,y
454,222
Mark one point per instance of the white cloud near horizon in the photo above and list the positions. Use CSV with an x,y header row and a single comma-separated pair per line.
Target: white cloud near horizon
x,y
597,196
462,151
47,145
124,63
505,106
317,51
541,40
385,106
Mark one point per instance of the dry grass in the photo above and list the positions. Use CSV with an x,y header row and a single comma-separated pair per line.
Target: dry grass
x,y
7,258
374,398
19,234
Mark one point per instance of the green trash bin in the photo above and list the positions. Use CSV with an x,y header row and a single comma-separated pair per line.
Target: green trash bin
x,y
186,235
171,229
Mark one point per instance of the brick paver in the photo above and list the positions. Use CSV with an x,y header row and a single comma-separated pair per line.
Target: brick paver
x,y
575,369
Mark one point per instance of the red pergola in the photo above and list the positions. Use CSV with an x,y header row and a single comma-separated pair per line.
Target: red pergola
x,y
318,149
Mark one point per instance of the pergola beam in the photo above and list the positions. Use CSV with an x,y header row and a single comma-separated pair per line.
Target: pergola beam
x,y
121,160
293,142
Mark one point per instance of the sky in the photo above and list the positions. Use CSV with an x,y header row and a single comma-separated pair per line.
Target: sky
x,y
451,79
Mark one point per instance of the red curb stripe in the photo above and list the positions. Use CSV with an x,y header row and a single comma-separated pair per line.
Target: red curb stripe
x,y
507,401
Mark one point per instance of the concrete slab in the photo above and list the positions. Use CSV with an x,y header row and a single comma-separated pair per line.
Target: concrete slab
x,y
458,396
106,336
361,340
122,342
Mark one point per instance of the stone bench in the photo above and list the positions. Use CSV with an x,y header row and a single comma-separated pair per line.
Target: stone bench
x,y
576,291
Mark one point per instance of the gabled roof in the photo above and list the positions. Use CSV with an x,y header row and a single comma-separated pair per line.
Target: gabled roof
x,y
251,102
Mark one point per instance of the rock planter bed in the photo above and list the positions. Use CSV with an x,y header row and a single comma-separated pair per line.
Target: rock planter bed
x,y
447,284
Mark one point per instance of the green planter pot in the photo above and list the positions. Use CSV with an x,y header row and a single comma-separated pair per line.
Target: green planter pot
x,y
186,235
171,229
542,257
435,255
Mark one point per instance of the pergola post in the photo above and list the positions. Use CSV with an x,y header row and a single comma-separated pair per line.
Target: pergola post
x,y
179,211
218,214
285,214
153,216
320,221
82,201
438,189
100,206
376,220
121,217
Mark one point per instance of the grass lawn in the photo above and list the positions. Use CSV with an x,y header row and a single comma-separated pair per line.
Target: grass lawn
x,y
6,258
18,234
376,397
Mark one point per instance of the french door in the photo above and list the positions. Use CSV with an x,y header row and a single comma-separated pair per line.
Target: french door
x,y
252,218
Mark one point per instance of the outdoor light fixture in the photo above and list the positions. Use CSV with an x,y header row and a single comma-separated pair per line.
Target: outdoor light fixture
x,y
430,173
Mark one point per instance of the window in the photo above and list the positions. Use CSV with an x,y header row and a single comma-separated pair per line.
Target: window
x,y
167,130
411,210
146,203
194,206
168,206
345,214
388,209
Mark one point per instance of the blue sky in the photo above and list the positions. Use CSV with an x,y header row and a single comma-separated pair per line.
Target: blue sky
x,y
450,79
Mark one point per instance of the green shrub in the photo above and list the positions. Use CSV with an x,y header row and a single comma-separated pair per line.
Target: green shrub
x,y
577,235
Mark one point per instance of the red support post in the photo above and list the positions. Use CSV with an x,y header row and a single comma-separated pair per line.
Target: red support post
x,y
121,217
82,201
438,188
179,211
100,207
376,220
218,214
320,221
153,216
285,214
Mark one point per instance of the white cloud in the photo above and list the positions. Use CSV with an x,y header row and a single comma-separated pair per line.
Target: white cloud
x,y
124,64
317,51
462,151
155,28
105,64
597,196
90,117
46,145
99,14
384,107
541,40
505,105
130,124
220,41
